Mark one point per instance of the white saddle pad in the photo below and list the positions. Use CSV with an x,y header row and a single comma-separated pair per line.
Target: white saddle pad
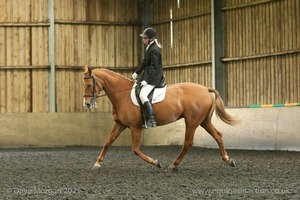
x,y
158,95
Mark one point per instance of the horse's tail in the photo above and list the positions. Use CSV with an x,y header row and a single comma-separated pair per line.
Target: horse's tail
x,y
220,109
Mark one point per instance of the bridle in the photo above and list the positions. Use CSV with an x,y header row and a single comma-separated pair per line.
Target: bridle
x,y
94,94
95,83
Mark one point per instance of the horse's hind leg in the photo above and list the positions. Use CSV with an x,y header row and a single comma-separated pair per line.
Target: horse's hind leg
x,y
188,142
114,134
207,125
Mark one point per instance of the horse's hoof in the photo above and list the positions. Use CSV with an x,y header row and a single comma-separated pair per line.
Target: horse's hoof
x,y
173,168
158,164
232,163
96,166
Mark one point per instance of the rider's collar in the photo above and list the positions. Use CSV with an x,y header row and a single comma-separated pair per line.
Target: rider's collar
x,y
149,45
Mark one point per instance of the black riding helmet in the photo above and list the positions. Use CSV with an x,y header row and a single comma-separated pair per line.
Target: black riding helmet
x,y
148,33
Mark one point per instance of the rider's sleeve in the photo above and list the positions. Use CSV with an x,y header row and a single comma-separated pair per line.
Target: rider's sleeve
x,y
141,67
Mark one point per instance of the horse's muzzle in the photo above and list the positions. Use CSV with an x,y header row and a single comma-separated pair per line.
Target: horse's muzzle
x,y
88,106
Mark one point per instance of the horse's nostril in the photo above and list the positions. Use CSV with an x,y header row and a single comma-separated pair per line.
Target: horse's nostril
x,y
88,105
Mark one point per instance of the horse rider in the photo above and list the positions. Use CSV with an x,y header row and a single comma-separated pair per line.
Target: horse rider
x,y
151,70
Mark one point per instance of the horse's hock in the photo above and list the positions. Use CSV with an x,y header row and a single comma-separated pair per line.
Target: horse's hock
x,y
261,128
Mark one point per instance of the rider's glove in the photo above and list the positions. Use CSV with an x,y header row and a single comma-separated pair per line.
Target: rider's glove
x,y
143,83
134,76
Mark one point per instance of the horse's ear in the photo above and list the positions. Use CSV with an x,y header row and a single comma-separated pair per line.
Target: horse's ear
x,y
87,70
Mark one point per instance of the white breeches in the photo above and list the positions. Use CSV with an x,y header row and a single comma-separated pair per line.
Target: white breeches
x,y
145,92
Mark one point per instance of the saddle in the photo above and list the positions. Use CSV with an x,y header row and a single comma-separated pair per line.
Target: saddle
x,y
155,96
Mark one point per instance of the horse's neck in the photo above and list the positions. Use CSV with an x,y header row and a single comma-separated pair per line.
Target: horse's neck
x,y
115,85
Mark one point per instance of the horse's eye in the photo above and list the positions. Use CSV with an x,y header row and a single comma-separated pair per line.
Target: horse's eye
x,y
89,85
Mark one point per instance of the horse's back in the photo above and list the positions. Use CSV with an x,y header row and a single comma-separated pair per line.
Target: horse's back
x,y
188,89
188,94
189,100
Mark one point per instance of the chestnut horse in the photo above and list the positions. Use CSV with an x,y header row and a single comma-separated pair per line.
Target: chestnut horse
x,y
190,101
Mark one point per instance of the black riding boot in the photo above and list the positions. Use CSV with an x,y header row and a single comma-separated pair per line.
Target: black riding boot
x,y
150,114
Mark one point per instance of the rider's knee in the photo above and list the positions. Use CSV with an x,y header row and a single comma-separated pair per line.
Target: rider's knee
x,y
143,98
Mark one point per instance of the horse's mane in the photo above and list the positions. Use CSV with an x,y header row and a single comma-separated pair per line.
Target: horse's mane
x,y
116,73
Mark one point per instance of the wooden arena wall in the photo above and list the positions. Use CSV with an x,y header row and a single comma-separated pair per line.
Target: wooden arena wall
x,y
99,33
261,45
262,54
185,33
261,58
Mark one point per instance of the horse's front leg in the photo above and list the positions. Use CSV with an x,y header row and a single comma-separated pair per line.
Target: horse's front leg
x,y
136,136
114,134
